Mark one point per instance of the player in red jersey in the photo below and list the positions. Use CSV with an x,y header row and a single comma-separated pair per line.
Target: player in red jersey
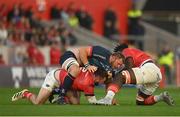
x,y
84,82
140,70
78,57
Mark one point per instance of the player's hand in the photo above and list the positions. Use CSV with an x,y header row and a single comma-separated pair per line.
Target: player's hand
x,y
115,102
109,74
91,68
104,101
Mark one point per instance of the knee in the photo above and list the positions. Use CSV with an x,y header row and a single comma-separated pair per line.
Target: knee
x,y
138,102
38,103
143,99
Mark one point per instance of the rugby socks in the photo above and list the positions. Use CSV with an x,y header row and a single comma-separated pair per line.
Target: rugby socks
x,y
110,95
158,98
27,94
68,81
150,100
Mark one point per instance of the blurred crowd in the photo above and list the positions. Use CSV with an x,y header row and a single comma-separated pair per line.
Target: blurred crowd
x,y
25,33
19,26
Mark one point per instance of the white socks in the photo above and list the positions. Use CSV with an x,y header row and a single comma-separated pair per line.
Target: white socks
x,y
110,95
158,98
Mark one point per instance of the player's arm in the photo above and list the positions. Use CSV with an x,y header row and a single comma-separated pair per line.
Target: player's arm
x,y
89,92
86,52
73,97
129,63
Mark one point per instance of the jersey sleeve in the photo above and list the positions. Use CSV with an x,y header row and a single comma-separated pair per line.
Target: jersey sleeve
x,y
90,51
89,90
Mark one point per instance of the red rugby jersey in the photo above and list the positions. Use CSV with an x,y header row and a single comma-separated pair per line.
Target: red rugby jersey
x,y
84,82
139,57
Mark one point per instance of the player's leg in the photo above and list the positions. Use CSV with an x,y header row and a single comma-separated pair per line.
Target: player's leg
x,y
148,73
73,97
39,99
69,63
19,95
165,96
145,97
49,83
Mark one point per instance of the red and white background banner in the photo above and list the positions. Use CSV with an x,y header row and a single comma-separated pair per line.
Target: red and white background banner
x,y
23,76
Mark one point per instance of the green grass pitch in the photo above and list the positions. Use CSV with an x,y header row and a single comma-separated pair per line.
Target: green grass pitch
x,y
126,107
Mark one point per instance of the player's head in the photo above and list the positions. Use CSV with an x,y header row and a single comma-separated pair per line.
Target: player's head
x,y
116,60
100,76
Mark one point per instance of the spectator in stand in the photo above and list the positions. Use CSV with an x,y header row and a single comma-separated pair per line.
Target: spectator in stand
x,y
42,39
68,38
73,20
20,56
35,21
15,38
3,11
9,41
55,12
52,33
15,13
31,50
85,19
3,33
134,27
5,21
55,52
20,25
29,12
35,55
110,24
166,60
2,62
28,32
40,60
18,37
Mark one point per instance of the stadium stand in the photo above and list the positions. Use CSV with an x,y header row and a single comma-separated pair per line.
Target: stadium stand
x,y
35,27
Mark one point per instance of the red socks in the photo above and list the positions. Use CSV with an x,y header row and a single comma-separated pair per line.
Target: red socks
x,y
27,94
149,101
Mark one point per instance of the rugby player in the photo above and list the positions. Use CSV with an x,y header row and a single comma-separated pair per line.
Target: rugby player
x,y
72,59
140,70
84,82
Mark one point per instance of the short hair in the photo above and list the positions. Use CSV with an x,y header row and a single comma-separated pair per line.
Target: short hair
x,y
119,55
101,72
120,47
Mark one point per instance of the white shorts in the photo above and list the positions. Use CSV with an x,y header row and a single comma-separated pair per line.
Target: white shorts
x,y
50,81
148,77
